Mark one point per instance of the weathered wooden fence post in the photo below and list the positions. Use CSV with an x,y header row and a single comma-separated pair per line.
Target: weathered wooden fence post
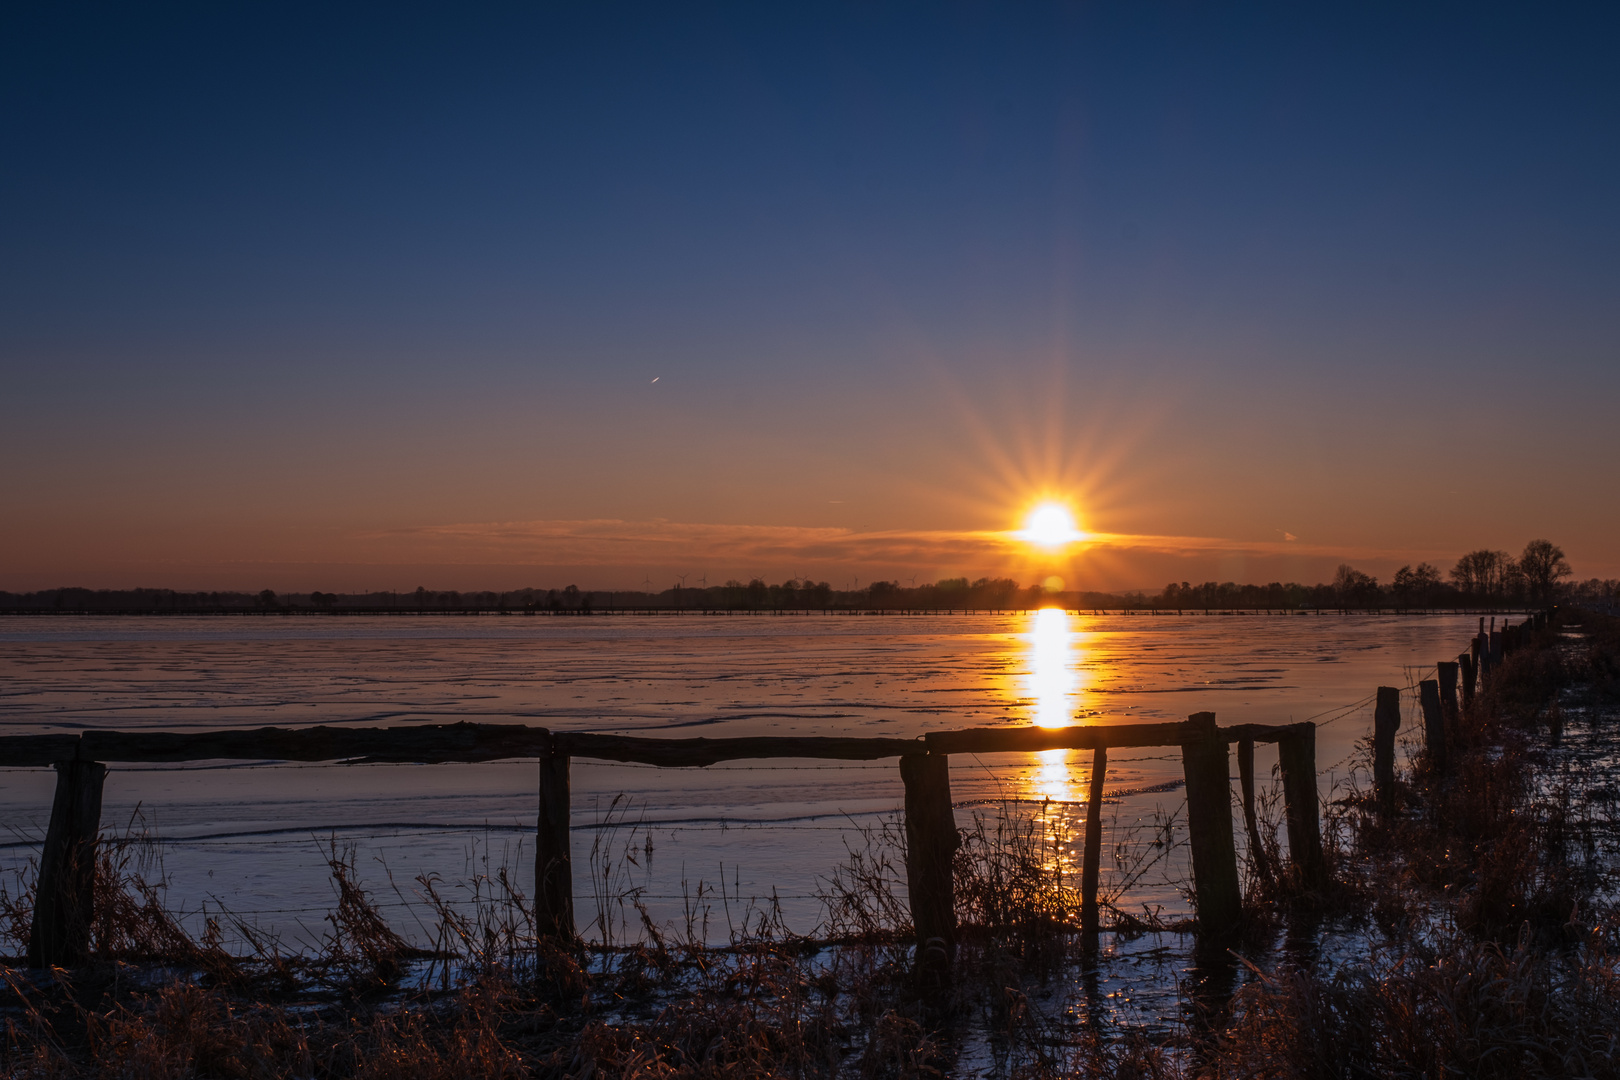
x,y
1449,707
1434,723
1386,723
1209,828
1296,754
1251,822
1091,868
931,842
1466,663
553,861
65,894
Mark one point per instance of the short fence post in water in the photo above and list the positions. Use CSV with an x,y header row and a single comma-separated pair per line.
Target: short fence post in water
x,y
1466,663
1091,868
1434,723
931,842
1386,722
1251,822
1449,708
1296,754
553,862
64,897
1209,829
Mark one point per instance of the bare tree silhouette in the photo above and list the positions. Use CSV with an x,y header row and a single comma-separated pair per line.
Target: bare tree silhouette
x,y
1542,564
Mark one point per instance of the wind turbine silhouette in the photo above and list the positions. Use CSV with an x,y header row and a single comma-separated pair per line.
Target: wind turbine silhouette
x,y
646,583
704,580
683,578
913,581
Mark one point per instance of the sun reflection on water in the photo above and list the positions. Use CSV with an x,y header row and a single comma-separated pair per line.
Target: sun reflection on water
x,y
1053,682
1052,677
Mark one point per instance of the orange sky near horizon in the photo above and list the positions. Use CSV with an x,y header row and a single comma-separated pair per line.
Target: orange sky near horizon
x,y
665,492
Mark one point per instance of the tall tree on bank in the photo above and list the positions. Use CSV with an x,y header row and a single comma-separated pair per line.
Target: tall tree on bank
x,y
1542,564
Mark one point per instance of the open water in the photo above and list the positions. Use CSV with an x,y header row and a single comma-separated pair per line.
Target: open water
x,y
253,838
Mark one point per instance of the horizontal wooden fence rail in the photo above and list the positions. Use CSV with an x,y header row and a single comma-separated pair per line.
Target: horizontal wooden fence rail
x,y
469,742
33,751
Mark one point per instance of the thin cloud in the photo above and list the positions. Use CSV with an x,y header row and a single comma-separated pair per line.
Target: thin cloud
x,y
611,543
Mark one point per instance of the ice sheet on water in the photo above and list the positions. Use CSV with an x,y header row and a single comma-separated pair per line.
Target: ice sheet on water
x,y
773,824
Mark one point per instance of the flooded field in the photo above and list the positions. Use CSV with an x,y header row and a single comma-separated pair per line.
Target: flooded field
x,y
252,838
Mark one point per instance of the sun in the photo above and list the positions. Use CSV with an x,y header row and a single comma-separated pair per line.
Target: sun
x,y
1051,525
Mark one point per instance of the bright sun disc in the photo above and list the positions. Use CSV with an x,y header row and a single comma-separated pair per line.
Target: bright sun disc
x,y
1051,525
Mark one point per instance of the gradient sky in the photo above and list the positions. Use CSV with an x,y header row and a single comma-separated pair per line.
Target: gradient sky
x,y
375,297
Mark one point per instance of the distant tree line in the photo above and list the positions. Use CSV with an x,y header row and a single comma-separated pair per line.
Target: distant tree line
x,y
1480,579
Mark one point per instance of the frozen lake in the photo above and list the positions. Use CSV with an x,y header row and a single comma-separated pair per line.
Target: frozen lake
x,y
251,837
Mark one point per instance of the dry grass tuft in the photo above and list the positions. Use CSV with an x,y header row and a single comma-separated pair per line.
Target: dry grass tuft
x,y
1469,1008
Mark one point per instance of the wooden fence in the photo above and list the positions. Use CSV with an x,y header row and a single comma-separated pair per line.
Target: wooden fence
x,y
60,934
62,917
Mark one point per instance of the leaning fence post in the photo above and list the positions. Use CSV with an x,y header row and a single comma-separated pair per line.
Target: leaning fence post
x,y
1296,755
553,862
1386,722
65,895
1091,868
1209,828
1434,723
1466,663
1251,823
1449,708
931,841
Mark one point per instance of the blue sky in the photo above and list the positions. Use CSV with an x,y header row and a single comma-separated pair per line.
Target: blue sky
x,y
276,281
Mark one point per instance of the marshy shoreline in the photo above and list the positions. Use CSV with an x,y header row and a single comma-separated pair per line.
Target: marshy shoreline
x,y
1472,930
